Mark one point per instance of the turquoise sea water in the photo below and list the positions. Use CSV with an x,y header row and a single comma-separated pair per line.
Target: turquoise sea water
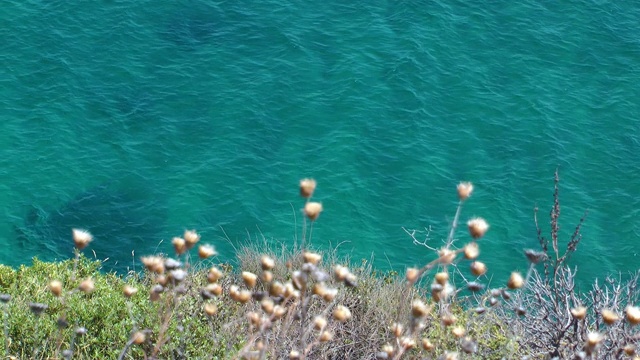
x,y
138,119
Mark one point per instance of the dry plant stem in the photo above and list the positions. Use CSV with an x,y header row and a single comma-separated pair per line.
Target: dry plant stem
x,y
36,348
125,349
5,315
166,320
454,225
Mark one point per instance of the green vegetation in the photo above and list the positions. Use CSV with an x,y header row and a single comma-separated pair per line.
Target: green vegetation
x,y
299,304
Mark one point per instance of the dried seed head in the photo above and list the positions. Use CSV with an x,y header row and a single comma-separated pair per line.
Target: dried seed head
x,y
407,342
412,275
446,256
478,268
341,313
276,289
299,280
442,277
5,298
307,187
191,237
254,318
341,272
206,251
55,287
294,355
319,323
178,275
579,312
535,257
609,317
397,329
329,294
250,279
37,308
633,315
179,245
172,264
153,263
593,339
418,308
318,289
325,336
458,331
129,291
313,210
87,286
138,338
311,258
278,312
477,227
162,279
474,286
266,276
427,344
267,305
448,319
214,274
464,190
244,296
388,349
81,238
629,349
267,263
210,309
214,288
351,280
468,345
471,251
450,355
515,281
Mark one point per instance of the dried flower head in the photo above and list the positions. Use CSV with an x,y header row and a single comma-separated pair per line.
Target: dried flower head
x,y
579,312
249,278
206,251
179,245
419,308
446,256
87,286
81,238
312,210
458,331
535,257
5,298
477,227
55,287
266,276
397,329
471,251
267,263
319,322
307,187
464,190
129,291
210,309
37,308
478,268
341,272
593,339
633,315
341,313
442,277
516,281
153,263
311,258
609,316
427,344
191,237
412,275
325,336
138,338
214,274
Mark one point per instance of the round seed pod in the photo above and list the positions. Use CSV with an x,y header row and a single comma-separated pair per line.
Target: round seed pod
x,y
464,190
579,312
55,287
267,263
341,313
515,281
307,187
633,315
210,309
442,277
129,291
325,336
81,238
609,317
313,210
478,268
427,344
471,251
249,278
477,227
138,338
412,275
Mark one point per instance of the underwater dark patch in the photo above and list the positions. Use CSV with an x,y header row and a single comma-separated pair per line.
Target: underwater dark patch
x,y
122,219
